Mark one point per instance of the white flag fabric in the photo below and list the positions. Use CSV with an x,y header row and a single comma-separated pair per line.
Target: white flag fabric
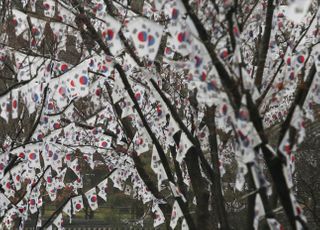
x,y
49,8
4,104
58,221
297,9
258,211
59,180
103,186
158,216
4,202
33,156
118,179
146,37
75,167
175,215
183,147
67,209
14,103
77,204
110,30
16,176
50,184
35,200
184,225
92,198
19,21
273,224
3,162
176,192
140,143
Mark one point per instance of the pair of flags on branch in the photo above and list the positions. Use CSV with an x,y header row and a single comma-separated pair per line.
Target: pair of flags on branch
x,y
76,204
31,95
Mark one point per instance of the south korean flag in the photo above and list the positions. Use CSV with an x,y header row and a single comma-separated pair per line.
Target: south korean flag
x,y
16,176
32,152
103,187
92,198
49,8
175,215
58,221
146,36
158,216
77,204
75,167
67,210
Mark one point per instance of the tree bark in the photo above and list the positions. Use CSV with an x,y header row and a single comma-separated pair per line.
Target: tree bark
x,y
217,187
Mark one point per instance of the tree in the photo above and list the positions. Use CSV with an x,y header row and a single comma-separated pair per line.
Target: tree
x,y
181,87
